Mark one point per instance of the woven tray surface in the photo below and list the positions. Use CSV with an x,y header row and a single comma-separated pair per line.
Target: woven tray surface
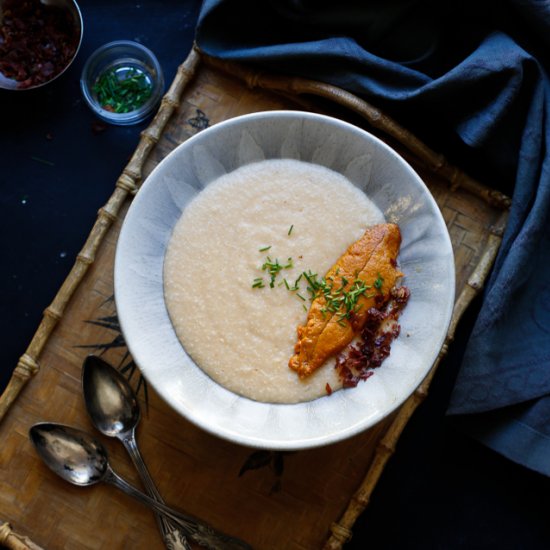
x,y
272,500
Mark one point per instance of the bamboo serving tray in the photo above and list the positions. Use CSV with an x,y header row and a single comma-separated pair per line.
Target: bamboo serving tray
x,y
303,500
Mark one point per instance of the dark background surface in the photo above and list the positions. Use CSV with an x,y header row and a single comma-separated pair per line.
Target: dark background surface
x,y
440,490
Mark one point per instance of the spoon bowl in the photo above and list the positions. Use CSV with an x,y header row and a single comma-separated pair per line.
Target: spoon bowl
x,y
70,453
110,400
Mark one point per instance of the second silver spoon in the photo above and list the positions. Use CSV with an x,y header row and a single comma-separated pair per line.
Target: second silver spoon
x,y
81,460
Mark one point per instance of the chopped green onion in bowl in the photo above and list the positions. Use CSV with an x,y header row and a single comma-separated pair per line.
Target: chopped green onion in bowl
x,y
122,89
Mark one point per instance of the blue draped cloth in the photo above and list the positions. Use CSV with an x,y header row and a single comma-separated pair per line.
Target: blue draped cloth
x,y
472,81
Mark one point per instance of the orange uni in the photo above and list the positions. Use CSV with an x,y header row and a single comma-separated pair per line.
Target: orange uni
x,y
371,259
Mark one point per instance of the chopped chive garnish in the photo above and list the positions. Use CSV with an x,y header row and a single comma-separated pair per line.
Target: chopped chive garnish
x,y
122,93
300,296
264,248
273,268
290,229
379,282
310,280
341,300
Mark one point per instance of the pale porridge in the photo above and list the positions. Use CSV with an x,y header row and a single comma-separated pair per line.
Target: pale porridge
x,y
237,327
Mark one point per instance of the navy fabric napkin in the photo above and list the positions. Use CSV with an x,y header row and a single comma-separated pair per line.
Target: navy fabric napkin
x,y
470,79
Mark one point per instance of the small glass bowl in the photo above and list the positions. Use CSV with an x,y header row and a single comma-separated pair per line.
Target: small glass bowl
x,y
122,56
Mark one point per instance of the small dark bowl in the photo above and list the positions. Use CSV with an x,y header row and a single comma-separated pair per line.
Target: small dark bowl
x,y
49,62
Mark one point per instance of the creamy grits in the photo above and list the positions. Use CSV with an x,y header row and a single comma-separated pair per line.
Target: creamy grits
x,y
243,336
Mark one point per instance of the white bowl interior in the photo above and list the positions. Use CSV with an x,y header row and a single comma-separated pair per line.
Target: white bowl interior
x,y
426,257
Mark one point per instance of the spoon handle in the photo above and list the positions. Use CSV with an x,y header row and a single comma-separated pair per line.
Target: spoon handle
x,y
200,532
130,444
173,537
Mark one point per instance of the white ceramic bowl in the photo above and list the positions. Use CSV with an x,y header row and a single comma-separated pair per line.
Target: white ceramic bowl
x,y
426,257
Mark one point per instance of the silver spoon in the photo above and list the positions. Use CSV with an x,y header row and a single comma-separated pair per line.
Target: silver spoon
x,y
79,459
114,410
